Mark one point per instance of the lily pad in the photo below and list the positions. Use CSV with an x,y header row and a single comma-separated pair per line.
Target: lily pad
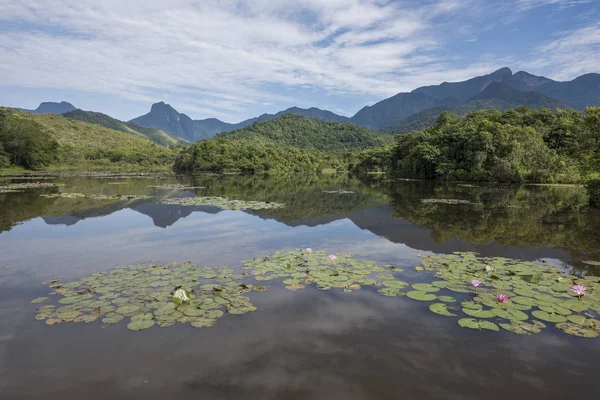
x,y
140,324
425,287
441,309
38,300
474,324
577,330
548,317
524,328
421,296
478,313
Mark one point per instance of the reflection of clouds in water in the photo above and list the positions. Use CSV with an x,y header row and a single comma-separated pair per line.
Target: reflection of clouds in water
x,y
207,239
299,345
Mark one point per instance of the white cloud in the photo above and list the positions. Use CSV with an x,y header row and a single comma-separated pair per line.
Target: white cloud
x,y
572,53
220,58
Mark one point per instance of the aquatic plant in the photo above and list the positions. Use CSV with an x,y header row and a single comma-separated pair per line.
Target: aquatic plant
x,y
348,273
579,290
222,202
308,250
446,201
30,185
149,295
96,196
502,298
538,288
176,187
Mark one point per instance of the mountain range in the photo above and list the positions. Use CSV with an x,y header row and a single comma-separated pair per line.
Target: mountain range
x,y
398,114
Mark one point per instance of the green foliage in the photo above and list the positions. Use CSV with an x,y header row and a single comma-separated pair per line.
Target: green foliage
x,y
315,134
35,141
593,189
515,146
24,143
249,156
155,135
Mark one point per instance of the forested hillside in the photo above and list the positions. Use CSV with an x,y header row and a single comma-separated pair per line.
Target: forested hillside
x,y
292,130
36,141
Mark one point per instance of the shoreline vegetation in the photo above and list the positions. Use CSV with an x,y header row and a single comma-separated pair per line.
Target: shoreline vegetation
x,y
521,146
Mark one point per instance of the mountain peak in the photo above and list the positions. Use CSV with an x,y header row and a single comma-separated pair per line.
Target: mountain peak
x,y
502,72
161,106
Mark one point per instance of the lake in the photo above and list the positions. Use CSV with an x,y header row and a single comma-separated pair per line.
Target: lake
x,y
298,344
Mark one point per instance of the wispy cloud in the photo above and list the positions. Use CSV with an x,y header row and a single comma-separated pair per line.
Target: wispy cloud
x,y
220,58
572,53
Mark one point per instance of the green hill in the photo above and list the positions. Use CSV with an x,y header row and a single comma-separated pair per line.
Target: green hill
x,y
155,135
35,141
292,130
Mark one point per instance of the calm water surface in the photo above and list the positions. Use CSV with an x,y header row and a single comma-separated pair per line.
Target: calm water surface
x,y
308,344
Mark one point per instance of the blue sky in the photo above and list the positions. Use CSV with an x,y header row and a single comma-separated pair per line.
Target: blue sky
x,y
234,59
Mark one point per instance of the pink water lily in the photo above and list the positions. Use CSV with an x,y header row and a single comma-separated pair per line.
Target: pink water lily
x,y
332,257
579,290
475,283
502,298
308,250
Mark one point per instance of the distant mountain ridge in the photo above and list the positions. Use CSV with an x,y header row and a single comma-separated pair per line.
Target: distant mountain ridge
x,y
496,95
402,112
154,135
535,91
51,107
164,117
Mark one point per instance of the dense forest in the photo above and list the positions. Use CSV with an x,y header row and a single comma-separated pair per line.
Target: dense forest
x,y
291,130
518,145
250,156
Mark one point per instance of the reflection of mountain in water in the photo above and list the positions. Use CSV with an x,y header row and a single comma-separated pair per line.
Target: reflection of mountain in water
x,y
165,215
526,222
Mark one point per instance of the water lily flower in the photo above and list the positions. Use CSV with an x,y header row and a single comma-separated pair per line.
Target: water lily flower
x,y
475,283
502,298
332,257
579,290
308,250
489,268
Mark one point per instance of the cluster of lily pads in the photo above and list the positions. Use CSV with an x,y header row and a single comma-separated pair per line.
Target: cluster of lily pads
x,y
96,196
339,191
176,187
29,185
223,203
512,292
445,201
483,293
303,267
148,295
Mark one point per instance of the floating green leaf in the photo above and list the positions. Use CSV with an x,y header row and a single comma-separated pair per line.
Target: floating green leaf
x,y
425,287
140,324
548,317
474,324
223,202
524,328
577,330
39,300
441,308
421,296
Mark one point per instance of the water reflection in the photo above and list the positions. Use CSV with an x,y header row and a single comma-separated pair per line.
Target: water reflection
x,y
529,222
298,345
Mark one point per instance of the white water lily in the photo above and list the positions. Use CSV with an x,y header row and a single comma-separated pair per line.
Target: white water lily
x,y
181,295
